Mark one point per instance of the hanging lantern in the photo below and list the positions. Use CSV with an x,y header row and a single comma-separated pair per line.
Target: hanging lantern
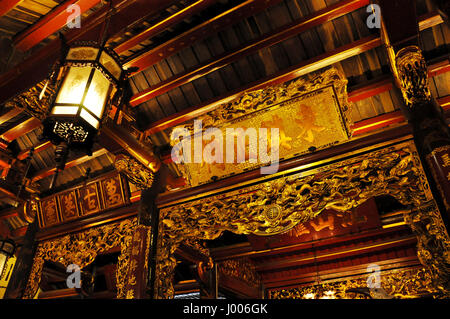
x,y
88,79
7,249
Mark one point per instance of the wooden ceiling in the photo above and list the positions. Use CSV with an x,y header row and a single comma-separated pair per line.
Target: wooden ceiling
x,y
194,55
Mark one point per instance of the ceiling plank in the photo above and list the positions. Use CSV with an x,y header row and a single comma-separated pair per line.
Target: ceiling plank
x,y
293,72
297,26
36,67
205,29
7,5
173,19
9,115
50,23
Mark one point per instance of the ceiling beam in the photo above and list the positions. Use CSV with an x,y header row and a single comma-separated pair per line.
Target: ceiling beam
x,y
388,119
8,115
76,161
36,67
36,149
266,40
21,129
304,67
282,76
154,29
7,5
386,82
205,29
50,23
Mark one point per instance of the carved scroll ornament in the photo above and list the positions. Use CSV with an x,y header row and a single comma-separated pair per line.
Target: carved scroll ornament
x,y
81,249
399,284
276,206
136,173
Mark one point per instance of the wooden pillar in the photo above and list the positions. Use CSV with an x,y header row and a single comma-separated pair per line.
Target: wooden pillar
x,y
139,282
430,130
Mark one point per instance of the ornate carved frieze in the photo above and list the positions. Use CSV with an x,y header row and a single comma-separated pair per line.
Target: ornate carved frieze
x,y
242,269
82,248
136,173
410,283
277,206
32,102
413,75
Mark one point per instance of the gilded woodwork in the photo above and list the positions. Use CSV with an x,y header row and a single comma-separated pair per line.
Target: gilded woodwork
x,y
257,100
82,248
136,173
413,75
310,113
400,284
394,171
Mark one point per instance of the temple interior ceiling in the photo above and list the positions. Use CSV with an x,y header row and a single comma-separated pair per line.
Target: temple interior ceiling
x,y
350,189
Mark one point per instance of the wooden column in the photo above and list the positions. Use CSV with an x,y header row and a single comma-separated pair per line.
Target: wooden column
x,y
426,117
139,282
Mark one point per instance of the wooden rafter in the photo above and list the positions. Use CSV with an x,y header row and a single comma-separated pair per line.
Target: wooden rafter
x,y
20,129
291,73
50,23
35,68
304,67
221,21
297,26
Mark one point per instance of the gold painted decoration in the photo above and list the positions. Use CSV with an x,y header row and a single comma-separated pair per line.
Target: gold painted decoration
x,y
81,249
310,113
398,284
242,269
394,170
136,173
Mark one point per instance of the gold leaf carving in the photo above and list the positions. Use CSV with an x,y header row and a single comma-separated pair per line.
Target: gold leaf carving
x,y
81,249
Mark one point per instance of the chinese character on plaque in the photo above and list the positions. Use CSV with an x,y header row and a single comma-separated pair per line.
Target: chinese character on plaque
x,y
68,205
89,199
50,211
112,191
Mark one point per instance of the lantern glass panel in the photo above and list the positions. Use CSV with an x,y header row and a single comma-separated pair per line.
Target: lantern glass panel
x,y
82,53
97,93
3,260
65,110
89,118
74,85
110,64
